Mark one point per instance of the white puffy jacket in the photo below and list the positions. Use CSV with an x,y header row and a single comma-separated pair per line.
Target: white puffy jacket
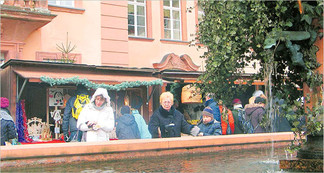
x,y
104,118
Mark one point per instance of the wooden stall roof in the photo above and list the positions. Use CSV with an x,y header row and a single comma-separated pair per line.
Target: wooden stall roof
x,y
33,70
34,76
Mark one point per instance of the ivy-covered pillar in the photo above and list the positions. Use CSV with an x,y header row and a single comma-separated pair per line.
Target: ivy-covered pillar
x,y
317,94
313,148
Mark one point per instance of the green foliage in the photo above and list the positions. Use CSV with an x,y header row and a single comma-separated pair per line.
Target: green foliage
x,y
173,89
280,38
92,85
230,29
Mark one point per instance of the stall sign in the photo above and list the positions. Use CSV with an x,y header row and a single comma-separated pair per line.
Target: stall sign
x,y
55,96
190,94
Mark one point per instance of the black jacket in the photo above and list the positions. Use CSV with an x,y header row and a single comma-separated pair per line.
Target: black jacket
x,y
127,127
162,119
8,131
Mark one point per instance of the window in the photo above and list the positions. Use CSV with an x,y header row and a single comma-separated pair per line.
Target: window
x,y
200,13
172,19
2,58
137,18
65,3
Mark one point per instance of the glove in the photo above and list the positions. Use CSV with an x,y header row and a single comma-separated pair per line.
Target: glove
x,y
90,124
169,127
194,131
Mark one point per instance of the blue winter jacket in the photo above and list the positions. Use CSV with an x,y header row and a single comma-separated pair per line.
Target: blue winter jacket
x,y
214,106
211,128
171,123
142,126
127,127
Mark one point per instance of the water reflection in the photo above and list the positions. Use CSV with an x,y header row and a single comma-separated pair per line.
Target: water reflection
x,y
252,160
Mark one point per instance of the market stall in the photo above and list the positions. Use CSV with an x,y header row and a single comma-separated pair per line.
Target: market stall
x,y
39,91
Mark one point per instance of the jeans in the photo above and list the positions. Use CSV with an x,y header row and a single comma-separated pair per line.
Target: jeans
x,y
76,137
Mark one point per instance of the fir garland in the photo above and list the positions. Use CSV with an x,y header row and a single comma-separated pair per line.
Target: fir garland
x,y
92,85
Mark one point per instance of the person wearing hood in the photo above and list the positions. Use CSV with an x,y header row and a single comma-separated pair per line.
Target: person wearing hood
x,y
96,119
213,105
257,93
8,130
70,116
167,122
126,127
256,113
209,126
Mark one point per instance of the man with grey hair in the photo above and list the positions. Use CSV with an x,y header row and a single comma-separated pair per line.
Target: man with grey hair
x,y
213,105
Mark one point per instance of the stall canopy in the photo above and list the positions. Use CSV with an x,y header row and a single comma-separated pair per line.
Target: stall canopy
x,y
35,76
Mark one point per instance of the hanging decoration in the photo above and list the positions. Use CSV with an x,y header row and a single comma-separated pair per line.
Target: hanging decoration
x,y
21,122
55,97
92,85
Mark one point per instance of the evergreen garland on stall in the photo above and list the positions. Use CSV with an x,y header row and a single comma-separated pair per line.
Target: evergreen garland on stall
x,y
92,85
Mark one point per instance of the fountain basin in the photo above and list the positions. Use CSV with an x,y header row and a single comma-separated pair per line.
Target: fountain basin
x,y
49,154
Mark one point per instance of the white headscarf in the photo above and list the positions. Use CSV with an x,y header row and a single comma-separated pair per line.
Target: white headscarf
x,y
4,115
257,93
104,93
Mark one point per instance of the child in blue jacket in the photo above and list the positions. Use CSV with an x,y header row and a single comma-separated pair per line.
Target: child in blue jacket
x,y
208,125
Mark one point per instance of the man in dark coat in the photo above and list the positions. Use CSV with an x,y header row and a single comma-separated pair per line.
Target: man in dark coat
x,y
126,125
169,122
69,122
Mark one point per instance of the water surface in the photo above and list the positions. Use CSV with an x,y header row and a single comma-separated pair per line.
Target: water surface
x,y
252,160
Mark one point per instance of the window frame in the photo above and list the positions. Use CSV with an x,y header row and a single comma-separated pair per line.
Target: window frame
x,y
172,9
59,3
135,4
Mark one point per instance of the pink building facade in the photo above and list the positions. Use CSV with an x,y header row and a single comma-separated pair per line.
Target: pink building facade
x,y
121,41
124,33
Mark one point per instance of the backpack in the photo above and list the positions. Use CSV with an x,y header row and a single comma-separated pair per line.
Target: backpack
x,y
79,103
245,123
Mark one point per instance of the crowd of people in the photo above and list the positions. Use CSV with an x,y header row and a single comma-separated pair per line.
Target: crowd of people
x,y
92,118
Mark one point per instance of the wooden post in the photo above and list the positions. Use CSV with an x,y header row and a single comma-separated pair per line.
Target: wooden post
x,y
56,126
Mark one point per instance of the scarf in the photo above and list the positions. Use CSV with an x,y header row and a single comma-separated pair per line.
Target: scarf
x,y
99,108
4,115
238,106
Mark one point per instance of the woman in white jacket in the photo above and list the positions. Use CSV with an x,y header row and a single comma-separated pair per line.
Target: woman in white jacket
x,y
96,119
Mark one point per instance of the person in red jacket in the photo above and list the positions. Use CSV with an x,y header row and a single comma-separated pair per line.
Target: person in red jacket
x,y
227,120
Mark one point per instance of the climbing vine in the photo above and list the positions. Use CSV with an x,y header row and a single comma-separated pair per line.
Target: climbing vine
x,y
279,36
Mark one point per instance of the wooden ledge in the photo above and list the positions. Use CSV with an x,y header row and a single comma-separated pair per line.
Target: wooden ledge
x,y
119,146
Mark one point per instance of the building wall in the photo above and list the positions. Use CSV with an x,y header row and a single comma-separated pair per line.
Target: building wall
x,y
114,32
100,34
83,31
143,53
